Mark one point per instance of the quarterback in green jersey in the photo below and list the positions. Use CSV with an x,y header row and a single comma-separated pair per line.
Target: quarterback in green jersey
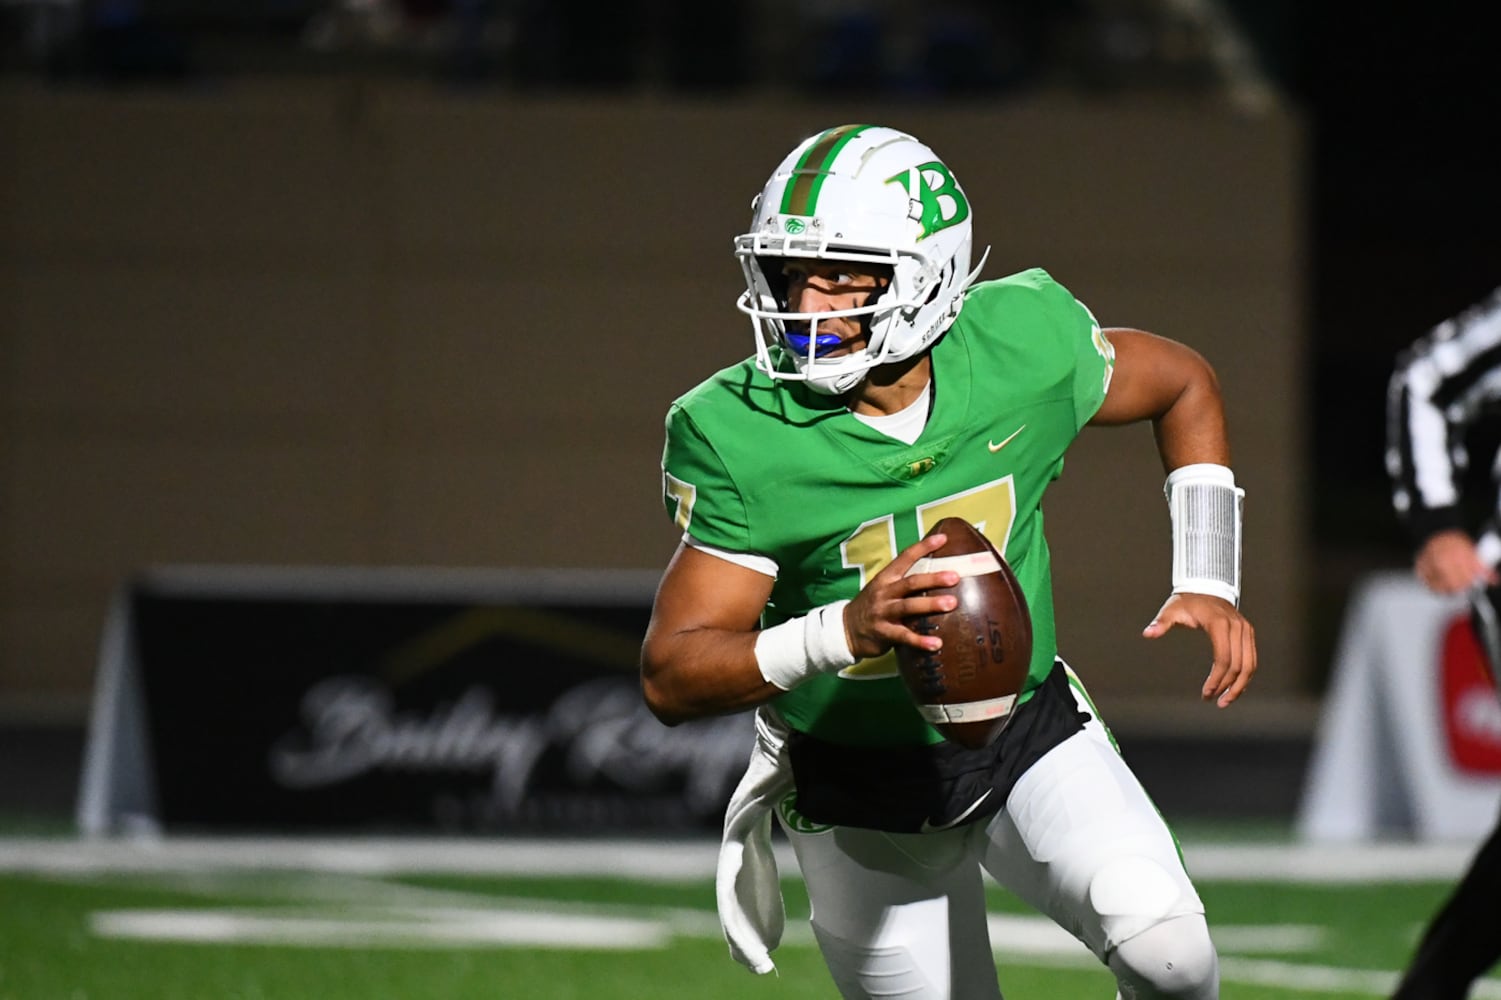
x,y
889,390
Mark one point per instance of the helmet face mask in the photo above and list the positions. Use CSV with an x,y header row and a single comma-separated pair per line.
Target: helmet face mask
x,y
877,198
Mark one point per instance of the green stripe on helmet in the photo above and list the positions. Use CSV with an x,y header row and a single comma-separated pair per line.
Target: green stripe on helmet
x,y
801,195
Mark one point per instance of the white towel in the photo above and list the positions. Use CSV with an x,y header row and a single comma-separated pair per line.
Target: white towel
x,y
747,885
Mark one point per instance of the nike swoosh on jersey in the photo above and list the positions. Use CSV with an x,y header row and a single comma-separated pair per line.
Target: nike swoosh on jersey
x,y
937,827
1009,438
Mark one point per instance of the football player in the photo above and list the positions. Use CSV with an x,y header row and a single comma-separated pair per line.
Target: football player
x,y
889,390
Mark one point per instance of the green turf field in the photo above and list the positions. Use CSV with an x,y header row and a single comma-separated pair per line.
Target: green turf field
x,y
74,928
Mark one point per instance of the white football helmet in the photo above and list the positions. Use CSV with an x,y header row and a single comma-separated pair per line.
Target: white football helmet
x,y
867,194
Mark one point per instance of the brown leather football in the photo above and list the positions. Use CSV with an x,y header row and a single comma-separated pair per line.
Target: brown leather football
x,y
967,689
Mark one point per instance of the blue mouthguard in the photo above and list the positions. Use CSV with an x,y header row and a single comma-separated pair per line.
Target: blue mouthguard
x,y
799,343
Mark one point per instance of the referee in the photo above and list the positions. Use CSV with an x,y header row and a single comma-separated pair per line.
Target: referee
x,y
1446,392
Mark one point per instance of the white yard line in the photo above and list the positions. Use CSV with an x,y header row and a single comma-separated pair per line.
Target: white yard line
x,y
1308,979
344,909
660,860
1027,940
483,920
531,928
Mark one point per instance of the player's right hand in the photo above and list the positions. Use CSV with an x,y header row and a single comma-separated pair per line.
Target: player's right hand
x,y
876,620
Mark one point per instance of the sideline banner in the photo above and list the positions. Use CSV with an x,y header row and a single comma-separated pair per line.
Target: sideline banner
x,y
440,701
1409,742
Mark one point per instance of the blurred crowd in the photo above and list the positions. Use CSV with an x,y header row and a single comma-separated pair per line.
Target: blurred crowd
x,y
913,48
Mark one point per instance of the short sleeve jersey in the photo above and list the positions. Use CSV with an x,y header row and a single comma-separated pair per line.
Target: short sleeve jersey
x,y
769,467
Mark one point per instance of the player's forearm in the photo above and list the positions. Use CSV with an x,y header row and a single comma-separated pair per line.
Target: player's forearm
x,y
702,672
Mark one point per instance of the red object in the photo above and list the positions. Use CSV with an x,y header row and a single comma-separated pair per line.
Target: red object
x,y
1472,711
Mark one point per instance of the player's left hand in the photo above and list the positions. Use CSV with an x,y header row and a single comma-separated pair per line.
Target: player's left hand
x,y
1230,636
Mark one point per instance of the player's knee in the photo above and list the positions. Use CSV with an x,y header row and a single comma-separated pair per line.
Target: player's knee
x,y
1171,960
1161,951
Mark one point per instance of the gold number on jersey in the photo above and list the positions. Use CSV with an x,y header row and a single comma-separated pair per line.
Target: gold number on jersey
x,y
683,494
990,507
872,546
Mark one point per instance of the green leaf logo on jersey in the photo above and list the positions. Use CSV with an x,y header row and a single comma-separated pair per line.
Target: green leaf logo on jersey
x,y
794,226
943,204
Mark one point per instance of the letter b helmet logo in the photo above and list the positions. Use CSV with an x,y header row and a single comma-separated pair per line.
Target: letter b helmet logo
x,y
936,194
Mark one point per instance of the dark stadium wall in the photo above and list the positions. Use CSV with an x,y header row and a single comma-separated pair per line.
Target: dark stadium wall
x,y
376,325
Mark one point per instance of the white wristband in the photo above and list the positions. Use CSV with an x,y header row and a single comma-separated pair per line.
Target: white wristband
x,y
1206,509
799,648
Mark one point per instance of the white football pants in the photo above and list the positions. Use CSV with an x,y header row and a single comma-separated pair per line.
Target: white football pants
x,y
903,915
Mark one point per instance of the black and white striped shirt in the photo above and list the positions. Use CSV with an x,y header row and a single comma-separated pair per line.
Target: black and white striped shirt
x,y
1443,385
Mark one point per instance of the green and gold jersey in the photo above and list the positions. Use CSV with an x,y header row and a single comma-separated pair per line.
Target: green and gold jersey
x,y
767,467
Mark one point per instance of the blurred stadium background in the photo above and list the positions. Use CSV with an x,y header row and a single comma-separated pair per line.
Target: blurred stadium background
x,y
335,339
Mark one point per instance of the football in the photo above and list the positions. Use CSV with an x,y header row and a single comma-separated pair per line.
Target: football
x,y
967,689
